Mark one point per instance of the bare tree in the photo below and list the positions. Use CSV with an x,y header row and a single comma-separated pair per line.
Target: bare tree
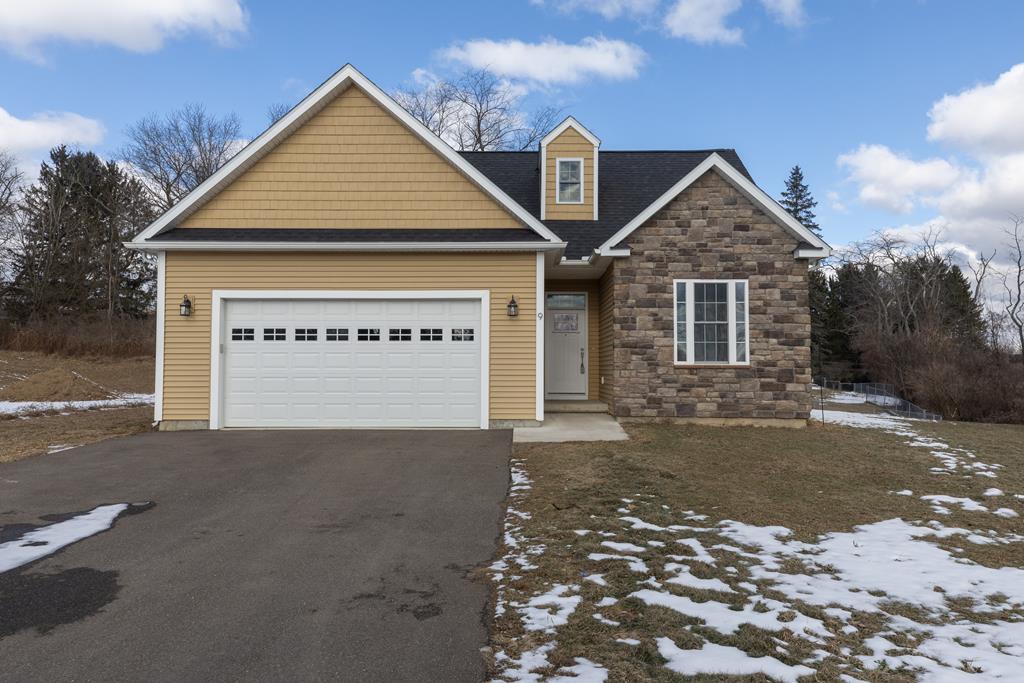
x,y
10,182
478,112
277,111
173,154
1013,281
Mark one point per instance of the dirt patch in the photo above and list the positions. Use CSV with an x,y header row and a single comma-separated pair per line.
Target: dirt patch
x,y
20,438
28,376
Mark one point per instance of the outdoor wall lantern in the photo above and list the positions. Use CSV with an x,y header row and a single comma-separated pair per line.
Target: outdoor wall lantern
x,y
513,307
185,307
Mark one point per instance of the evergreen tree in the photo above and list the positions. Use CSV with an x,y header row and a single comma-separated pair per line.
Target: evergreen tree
x,y
798,201
69,257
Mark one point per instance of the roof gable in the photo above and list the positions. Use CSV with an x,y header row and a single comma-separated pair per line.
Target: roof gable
x,y
308,109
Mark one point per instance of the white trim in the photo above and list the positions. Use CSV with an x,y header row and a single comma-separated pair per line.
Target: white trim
x,y
543,182
586,347
343,246
595,182
340,80
538,319
812,253
558,180
570,122
161,305
738,180
220,296
731,326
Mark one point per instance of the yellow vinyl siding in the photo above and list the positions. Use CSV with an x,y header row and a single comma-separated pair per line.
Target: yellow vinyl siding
x,y
606,332
569,144
593,326
512,340
352,165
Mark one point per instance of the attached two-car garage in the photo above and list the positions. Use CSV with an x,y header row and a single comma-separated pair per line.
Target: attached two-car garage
x,y
357,360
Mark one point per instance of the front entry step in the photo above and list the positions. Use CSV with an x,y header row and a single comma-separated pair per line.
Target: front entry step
x,y
575,407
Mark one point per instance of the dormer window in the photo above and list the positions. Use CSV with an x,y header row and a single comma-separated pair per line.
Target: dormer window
x,y
570,181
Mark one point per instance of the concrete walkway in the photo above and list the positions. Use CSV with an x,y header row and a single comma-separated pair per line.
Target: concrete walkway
x,y
561,427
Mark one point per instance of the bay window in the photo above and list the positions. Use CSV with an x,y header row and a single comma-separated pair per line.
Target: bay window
x,y
711,322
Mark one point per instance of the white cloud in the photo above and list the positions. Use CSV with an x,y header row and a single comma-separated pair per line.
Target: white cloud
x,y
972,197
893,181
43,131
136,25
609,9
987,118
836,202
551,62
704,21
789,13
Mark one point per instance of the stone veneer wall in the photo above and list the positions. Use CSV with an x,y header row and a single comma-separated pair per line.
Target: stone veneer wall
x,y
711,231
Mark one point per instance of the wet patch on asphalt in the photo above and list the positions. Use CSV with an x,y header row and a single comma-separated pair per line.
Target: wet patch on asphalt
x,y
45,600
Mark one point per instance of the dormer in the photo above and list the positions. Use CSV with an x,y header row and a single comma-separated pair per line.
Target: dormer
x,y
568,173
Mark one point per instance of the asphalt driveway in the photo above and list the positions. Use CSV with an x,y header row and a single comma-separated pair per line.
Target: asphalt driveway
x,y
284,555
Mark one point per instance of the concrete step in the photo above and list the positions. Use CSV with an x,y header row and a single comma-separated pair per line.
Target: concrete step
x,y
575,407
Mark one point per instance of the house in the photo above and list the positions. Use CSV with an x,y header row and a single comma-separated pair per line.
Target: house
x,y
350,269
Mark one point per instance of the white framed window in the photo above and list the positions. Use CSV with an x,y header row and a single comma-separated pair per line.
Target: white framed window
x,y
337,334
569,176
305,334
274,334
712,320
462,334
368,334
431,334
400,334
242,334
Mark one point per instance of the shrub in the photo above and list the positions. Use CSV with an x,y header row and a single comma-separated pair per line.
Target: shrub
x,y
98,337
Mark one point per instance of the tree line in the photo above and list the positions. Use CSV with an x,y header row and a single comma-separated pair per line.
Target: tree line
x,y
902,311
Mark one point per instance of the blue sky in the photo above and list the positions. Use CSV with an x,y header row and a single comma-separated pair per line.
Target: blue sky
x,y
783,81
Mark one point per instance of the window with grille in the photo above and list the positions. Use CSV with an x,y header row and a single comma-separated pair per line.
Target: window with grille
x,y
570,181
368,334
336,334
400,334
431,334
243,334
711,321
462,334
274,334
305,334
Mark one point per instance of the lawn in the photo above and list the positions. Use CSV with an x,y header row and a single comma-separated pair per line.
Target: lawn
x,y
49,403
867,548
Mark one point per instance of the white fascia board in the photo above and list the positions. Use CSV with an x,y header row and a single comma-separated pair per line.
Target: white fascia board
x,y
344,246
570,122
814,254
740,182
341,79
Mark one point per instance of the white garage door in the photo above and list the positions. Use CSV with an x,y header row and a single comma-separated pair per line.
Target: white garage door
x,y
351,363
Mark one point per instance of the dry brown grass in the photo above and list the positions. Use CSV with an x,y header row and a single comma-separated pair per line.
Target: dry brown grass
x,y
31,376
27,376
78,337
825,478
21,438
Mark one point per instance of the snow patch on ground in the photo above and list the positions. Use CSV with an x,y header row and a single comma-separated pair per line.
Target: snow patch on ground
x,y
30,407
719,659
47,540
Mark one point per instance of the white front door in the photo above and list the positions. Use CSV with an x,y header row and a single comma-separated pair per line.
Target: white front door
x,y
565,346
352,363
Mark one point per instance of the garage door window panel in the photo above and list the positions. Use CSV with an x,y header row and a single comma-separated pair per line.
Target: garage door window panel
x,y
243,334
368,334
308,334
336,334
274,334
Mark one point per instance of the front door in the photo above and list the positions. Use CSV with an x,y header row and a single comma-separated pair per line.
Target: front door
x,y
565,346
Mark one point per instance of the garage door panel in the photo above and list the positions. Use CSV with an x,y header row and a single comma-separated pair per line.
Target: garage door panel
x,y
403,378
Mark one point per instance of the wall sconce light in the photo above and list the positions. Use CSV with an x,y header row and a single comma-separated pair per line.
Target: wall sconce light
x,y
185,307
513,308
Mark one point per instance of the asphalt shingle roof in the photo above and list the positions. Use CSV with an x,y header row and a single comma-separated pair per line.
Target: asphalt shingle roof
x,y
628,182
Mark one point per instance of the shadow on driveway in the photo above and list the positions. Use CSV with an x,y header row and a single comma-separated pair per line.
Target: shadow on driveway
x,y
268,556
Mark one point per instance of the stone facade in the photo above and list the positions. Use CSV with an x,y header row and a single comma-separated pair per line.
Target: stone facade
x,y
711,231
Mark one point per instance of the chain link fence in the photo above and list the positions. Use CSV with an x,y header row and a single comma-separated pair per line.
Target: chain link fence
x,y
883,396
